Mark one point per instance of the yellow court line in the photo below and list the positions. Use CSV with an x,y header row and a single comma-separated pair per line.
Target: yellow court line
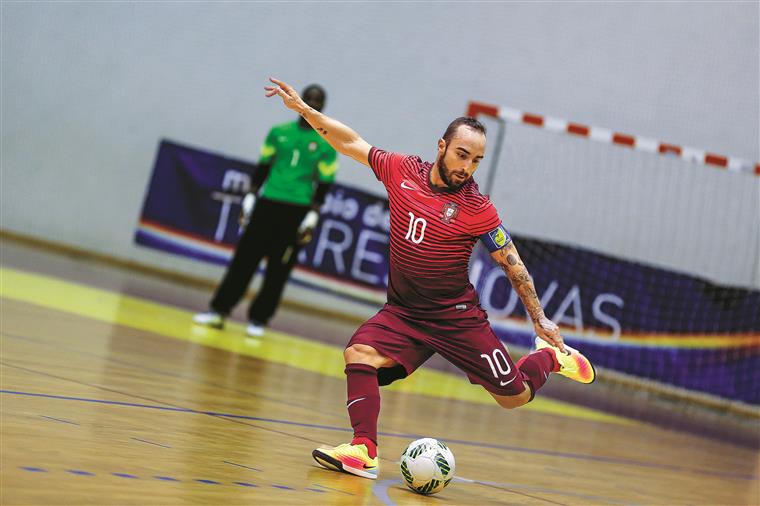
x,y
277,347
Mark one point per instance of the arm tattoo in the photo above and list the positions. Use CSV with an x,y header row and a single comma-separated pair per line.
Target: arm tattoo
x,y
322,130
523,285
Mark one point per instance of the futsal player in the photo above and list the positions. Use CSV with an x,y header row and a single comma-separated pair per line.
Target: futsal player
x,y
437,216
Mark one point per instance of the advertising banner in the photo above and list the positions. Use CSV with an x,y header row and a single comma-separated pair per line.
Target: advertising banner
x,y
626,316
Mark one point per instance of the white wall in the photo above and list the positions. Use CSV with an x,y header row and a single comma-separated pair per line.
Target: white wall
x,y
88,89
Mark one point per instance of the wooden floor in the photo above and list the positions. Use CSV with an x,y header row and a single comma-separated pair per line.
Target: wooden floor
x,y
109,398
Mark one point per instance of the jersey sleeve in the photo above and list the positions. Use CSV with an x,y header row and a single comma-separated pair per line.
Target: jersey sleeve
x,y
269,148
327,166
384,163
485,220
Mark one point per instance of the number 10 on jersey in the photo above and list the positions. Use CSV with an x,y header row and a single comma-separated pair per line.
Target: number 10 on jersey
x,y
416,230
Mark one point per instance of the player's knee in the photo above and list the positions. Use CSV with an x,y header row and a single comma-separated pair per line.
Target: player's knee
x,y
513,401
360,354
364,354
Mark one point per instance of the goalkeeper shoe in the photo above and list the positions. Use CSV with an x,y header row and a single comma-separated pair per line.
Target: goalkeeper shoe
x,y
348,458
254,329
571,364
209,319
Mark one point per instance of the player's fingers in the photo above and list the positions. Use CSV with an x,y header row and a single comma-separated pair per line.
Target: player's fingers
x,y
554,339
282,84
277,91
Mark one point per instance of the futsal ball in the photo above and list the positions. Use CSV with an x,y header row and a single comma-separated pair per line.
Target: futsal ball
x,y
427,466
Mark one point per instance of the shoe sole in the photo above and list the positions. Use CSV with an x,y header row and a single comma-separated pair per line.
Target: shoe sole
x,y
334,464
593,374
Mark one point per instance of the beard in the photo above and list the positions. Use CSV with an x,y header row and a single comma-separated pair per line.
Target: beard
x,y
446,174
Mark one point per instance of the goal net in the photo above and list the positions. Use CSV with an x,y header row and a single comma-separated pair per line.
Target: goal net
x,y
646,253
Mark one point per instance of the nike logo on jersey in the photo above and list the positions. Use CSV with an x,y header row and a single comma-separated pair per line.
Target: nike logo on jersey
x,y
406,186
505,383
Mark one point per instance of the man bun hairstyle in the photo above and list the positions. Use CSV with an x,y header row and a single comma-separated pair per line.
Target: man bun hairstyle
x,y
467,121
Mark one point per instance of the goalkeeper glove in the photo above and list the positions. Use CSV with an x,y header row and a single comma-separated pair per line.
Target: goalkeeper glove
x,y
306,228
246,210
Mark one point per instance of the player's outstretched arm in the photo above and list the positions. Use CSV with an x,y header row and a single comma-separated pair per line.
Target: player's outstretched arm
x,y
509,260
338,135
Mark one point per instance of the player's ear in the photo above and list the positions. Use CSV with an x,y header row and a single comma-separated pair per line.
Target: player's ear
x,y
441,146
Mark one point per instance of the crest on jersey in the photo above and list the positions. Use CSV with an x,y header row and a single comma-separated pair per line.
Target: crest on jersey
x,y
312,146
450,212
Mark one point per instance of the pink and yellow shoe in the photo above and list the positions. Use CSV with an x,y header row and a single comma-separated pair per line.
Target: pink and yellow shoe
x,y
571,364
348,458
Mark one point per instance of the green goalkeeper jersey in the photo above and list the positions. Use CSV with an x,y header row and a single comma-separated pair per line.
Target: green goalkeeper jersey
x,y
300,159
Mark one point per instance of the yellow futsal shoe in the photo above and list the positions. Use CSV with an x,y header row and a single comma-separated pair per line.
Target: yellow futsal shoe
x,y
571,364
347,458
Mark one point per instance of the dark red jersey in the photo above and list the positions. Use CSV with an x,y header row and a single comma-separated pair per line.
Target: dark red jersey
x,y
433,232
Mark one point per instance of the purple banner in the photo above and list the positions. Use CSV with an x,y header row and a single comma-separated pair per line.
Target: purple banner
x,y
628,317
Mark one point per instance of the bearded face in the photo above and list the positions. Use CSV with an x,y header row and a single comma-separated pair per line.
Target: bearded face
x,y
454,179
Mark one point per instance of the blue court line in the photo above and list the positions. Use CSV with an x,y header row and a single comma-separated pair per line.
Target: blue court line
x,y
162,478
125,475
380,489
150,442
166,478
162,372
576,456
540,490
333,489
241,465
58,420
80,472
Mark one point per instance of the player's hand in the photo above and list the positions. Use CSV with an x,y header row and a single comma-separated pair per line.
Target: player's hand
x,y
246,209
549,332
289,96
307,226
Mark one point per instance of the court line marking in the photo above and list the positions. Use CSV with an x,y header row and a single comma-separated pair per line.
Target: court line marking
x,y
543,490
232,418
160,372
168,321
574,456
125,475
150,442
58,419
241,465
380,489
334,489
205,481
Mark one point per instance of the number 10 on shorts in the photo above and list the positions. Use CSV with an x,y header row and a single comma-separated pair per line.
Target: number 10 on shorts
x,y
499,365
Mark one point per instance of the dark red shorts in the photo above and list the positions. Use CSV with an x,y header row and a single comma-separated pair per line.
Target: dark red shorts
x,y
468,343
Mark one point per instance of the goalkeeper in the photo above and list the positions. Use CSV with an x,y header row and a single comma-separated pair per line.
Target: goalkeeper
x,y
296,169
